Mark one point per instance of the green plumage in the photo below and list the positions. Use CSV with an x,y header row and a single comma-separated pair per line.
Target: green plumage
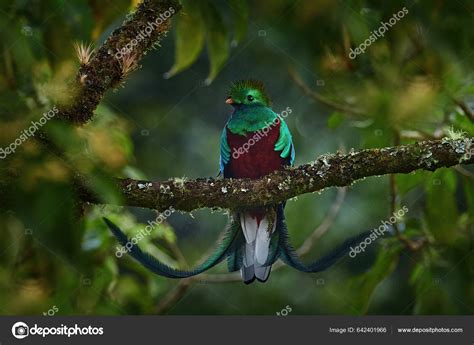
x,y
252,116
251,119
221,252
242,88
252,113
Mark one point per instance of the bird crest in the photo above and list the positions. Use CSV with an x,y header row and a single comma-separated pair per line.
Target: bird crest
x,y
250,84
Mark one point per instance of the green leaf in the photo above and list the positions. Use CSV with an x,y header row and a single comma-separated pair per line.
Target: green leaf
x,y
468,89
133,172
105,188
407,182
189,40
462,122
105,13
375,134
441,211
240,13
217,43
429,287
469,194
335,120
366,284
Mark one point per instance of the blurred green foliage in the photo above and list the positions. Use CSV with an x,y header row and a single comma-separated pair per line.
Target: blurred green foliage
x,y
55,251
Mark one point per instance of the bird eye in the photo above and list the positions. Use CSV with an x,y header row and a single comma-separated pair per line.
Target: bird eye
x,y
250,98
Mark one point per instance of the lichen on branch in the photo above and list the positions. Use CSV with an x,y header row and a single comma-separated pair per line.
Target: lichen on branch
x,y
327,171
105,70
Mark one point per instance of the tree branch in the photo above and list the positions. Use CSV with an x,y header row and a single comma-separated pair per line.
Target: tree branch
x,y
173,296
327,171
466,109
345,108
326,224
105,70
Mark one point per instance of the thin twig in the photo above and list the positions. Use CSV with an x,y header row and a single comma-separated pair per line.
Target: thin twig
x,y
326,223
320,98
173,296
178,254
393,208
393,189
421,135
466,109
412,245
464,172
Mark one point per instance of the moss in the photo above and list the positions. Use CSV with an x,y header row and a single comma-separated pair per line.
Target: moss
x,y
103,70
339,170
179,182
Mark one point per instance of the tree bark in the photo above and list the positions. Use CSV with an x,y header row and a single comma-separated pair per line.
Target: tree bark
x,y
327,171
104,70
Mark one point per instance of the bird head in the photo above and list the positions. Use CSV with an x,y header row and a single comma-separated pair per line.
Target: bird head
x,y
248,92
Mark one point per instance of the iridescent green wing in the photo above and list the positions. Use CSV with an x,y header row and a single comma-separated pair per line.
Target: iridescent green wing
x,y
225,151
285,143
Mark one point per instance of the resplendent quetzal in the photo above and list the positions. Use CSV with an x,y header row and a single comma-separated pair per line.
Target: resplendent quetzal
x,y
255,142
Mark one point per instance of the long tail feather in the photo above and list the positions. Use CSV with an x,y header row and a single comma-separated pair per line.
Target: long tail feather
x,y
274,251
291,258
235,258
156,266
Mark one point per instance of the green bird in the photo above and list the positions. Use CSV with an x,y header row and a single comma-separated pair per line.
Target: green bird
x,y
255,141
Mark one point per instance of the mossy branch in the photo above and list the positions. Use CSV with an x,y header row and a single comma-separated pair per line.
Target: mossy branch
x,y
104,70
327,171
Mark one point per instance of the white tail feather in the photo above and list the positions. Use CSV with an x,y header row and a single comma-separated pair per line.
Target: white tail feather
x,y
262,245
257,247
247,273
249,254
249,227
262,272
